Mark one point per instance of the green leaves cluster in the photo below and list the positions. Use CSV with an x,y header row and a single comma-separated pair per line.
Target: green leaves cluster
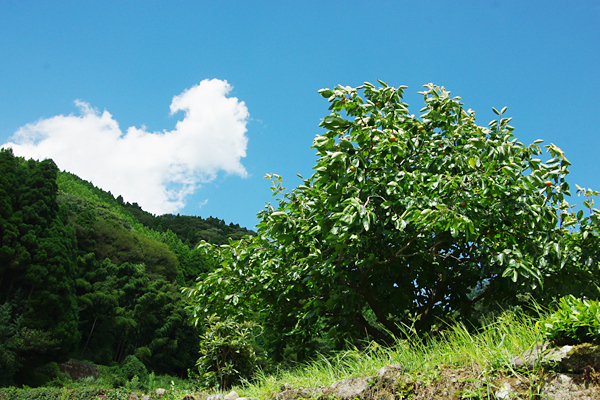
x,y
575,321
406,221
228,353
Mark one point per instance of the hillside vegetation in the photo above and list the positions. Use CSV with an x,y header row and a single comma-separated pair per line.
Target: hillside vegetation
x,y
83,277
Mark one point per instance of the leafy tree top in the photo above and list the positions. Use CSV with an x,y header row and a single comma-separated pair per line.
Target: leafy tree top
x,y
406,220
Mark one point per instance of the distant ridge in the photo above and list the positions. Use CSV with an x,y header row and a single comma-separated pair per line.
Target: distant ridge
x,y
189,229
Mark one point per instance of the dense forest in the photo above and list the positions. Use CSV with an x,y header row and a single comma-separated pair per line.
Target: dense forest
x,y
86,276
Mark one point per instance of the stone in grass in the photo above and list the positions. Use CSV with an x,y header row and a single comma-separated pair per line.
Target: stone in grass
x,y
389,374
530,358
563,387
78,369
305,393
351,388
574,359
380,386
231,396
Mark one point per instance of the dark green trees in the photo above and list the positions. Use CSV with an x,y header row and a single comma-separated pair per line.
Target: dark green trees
x,y
126,311
81,277
37,257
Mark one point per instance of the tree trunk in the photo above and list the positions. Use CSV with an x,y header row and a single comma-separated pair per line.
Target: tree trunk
x,y
89,336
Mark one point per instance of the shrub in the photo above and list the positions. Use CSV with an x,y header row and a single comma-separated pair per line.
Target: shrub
x,y
575,321
227,353
132,366
52,371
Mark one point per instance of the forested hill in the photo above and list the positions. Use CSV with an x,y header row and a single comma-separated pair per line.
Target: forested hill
x,y
84,275
189,229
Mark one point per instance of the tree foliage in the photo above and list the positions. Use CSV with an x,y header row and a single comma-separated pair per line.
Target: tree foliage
x,y
406,221
37,261
228,353
80,276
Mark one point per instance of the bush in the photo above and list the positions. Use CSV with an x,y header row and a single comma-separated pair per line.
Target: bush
x,y
227,353
52,371
132,366
575,321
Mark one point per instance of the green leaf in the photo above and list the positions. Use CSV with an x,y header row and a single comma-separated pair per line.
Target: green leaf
x,y
323,143
335,122
508,171
326,92
365,222
477,142
278,215
474,162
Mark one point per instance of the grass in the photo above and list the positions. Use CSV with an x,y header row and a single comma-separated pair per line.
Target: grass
x,y
486,354
490,350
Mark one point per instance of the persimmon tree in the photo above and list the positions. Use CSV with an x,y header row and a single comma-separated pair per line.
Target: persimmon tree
x,y
406,221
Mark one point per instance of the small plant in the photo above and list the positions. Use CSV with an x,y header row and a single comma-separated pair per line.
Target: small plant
x,y
151,383
132,366
227,353
118,394
134,383
575,321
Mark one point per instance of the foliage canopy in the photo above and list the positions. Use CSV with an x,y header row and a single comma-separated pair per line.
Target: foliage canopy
x,y
406,221
81,277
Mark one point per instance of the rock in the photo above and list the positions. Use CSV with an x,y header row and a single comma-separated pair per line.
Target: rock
x,y
146,397
232,396
573,359
347,389
530,358
78,370
389,374
290,394
391,384
556,355
504,392
133,396
580,357
215,397
380,387
562,387
188,397
159,392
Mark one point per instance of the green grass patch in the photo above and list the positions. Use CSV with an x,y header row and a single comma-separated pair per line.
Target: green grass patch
x,y
488,353
491,349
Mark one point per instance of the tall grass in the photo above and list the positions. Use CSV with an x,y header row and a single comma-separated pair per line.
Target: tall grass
x,y
492,348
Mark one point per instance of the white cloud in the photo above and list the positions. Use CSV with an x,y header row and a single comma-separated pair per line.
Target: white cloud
x,y
158,170
202,203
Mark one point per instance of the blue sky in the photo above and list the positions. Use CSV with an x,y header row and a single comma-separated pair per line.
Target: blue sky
x,y
79,74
